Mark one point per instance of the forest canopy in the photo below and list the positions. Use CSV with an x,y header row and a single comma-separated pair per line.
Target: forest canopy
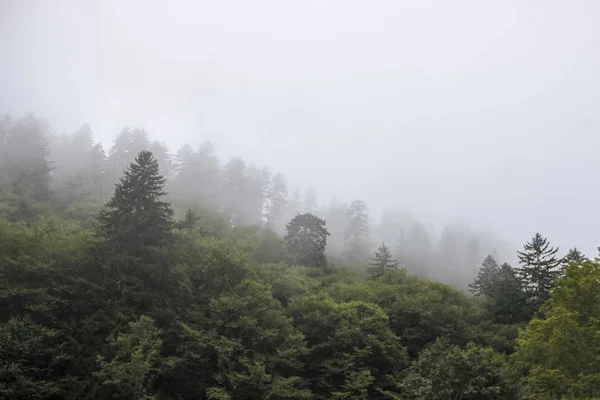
x,y
137,273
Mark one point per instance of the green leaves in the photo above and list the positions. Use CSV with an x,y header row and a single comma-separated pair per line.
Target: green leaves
x,y
126,371
306,240
444,371
559,350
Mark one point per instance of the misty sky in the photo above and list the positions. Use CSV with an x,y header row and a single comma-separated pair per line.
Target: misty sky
x,y
487,112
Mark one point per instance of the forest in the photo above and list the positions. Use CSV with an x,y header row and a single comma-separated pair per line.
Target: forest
x,y
135,272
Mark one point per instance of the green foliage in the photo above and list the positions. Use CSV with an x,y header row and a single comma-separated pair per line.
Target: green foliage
x,y
352,349
135,217
559,351
28,358
126,371
209,307
486,277
357,237
444,371
382,262
539,269
574,255
306,240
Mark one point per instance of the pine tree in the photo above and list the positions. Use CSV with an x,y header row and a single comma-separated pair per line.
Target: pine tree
x,y
234,183
486,277
136,226
574,255
539,268
382,262
25,159
508,296
277,200
306,240
189,221
136,217
357,237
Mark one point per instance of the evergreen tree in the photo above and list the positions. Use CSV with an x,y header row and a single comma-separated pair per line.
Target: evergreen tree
x,y
277,200
25,159
254,195
486,277
539,268
161,154
382,262
306,240
357,238
234,183
508,296
135,226
136,217
574,255
189,221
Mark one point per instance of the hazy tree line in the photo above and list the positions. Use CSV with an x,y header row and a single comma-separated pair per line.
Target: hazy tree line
x,y
129,274
82,174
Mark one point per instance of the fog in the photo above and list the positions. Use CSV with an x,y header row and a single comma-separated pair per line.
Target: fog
x,y
470,112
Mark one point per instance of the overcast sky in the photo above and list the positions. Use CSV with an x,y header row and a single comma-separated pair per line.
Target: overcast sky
x,y
487,112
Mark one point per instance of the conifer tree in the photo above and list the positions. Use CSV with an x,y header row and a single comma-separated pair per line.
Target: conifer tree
x,y
357,237
277,200
136,217
539,268
486,277
136,225
382,262
507,293
189,221
574,255
25,159
306,240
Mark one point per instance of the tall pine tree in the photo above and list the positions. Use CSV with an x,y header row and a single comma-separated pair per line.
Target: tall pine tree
x,y
508,296
136,225
574,255
486,277
357,238
382,262
539,268
135,217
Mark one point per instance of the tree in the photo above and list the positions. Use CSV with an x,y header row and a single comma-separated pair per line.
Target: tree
x,y
539,268
126,371
234,183
574,255
558,351
486,277
189,221
135,226
382,262
353,352
357,237
306,240
250,345
24,164
508,297
444,371
277,200
136,217
28,355
161,154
